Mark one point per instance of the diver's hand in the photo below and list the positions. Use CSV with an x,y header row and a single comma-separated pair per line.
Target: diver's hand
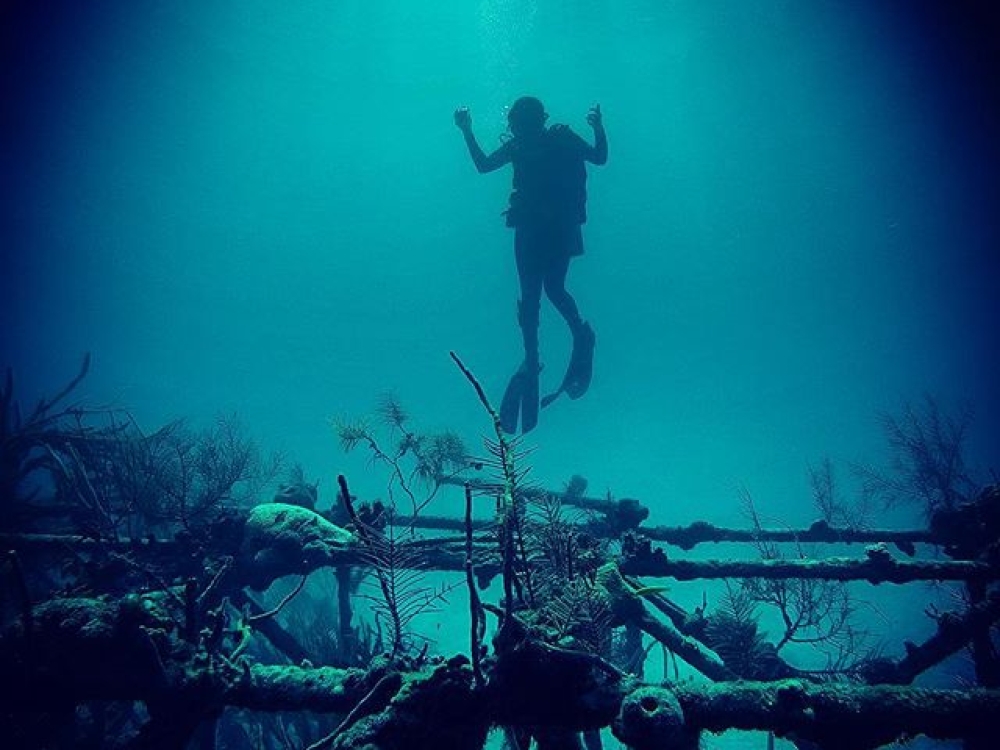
x,y
595,118
463,119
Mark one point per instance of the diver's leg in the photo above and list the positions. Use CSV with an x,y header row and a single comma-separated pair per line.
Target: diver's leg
x,y
521,395
531,282
580,368
555,290
527,319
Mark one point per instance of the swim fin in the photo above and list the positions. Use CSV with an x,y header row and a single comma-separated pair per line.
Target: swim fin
x,y
580,370
520,398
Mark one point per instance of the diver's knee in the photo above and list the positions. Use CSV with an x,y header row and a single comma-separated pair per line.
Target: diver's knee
x,y
555,288
558,296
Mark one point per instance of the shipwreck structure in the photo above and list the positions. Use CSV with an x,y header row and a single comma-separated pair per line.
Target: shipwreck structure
x,y
132,613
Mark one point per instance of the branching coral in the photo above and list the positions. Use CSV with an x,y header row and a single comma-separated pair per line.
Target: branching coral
x,y
927,445
419,464
27,441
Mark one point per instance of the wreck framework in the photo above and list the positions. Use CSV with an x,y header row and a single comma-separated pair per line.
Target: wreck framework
x,y
58,653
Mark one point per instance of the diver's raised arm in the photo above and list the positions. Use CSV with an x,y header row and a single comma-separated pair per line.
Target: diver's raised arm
x,y
484,163
598,153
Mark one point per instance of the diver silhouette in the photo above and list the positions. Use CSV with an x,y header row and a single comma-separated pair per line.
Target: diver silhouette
x,y
548,205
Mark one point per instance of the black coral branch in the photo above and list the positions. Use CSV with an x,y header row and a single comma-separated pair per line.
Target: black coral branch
x,y
400,570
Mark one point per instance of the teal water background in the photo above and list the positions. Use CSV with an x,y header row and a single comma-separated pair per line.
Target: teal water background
x,y
266,208
236,207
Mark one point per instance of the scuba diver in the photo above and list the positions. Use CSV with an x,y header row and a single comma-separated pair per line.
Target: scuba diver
x,y
547,208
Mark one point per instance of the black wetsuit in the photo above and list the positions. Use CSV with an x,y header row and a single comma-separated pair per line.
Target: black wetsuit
x,y
547,209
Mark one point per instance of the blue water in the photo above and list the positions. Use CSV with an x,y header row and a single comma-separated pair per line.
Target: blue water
x,y
266,209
